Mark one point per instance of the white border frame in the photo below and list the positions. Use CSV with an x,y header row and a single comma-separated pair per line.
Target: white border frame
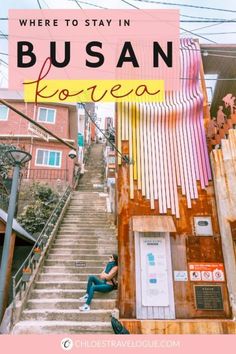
x,y
49,166
52,109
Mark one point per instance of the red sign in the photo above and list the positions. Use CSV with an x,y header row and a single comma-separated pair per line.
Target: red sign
x,y
210,272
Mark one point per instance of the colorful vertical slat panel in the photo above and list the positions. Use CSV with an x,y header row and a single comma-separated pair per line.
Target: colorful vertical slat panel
x,y
167,140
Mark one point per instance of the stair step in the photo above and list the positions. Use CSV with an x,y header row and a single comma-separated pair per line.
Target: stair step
x,y
68,294
76,270
73,251
108,304
82,222
91,233
69,266
68,245
68,257
88,241
66,284
78,218
101,236
66,315
88,246
87,251
61,327
88,230
61,276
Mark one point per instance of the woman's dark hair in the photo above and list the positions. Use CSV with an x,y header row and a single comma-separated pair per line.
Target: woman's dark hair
x,y
115,258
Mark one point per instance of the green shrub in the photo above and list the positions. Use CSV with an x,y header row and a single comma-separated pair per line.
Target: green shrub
x,y
36,214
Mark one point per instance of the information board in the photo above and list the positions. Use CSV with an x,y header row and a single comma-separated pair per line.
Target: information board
x,y
154,271
208,297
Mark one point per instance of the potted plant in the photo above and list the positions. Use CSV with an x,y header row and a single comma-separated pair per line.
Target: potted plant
x,y
26,274
37,253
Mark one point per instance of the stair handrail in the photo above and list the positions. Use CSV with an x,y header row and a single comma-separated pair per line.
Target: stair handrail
x,y
34,257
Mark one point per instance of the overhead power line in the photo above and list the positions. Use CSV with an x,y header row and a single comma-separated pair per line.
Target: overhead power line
x,y
4,62
216,33
90,4
207,18
186,5
39,4
77,2
183,29
208,21
128,3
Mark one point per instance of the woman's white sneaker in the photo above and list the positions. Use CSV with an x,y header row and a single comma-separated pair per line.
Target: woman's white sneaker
x,y
84,298
84,308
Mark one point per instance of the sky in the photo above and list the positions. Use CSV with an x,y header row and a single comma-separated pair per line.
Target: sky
x,y
217,32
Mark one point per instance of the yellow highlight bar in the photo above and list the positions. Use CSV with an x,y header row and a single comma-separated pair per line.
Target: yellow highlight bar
x,y
94,91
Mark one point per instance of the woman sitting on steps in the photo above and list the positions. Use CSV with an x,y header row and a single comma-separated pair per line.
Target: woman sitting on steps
x,y
105,284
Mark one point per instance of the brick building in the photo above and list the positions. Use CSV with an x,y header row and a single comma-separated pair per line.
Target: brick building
x,y
50,161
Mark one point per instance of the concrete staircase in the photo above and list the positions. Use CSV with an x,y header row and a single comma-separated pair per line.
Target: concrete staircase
x,y
94,170
83,244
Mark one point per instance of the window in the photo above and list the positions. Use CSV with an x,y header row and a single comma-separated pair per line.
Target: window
x,y
3,112
46,115
210,80
48,158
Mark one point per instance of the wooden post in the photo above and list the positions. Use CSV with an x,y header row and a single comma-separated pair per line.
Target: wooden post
x,y
9,268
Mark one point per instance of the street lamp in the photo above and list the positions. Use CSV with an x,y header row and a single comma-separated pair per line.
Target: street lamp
x,y
17,158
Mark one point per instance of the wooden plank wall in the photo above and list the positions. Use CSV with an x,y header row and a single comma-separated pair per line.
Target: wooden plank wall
x,y
180,327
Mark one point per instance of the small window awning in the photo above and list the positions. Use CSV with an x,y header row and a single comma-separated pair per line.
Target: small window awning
x,y
149,223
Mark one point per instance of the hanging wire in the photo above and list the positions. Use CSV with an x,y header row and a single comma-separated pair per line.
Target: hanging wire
x,y
39,4
77,2
183,29
88,3
185,5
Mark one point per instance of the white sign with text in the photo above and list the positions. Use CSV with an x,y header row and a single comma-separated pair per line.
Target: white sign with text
x,y
154,275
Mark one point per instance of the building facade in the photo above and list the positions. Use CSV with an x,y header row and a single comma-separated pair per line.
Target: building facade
x,y
50,161
172,263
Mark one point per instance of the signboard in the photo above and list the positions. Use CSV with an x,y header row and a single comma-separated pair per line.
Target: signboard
x,y
154,276
180,275
210,272
38,132
80,140
208,297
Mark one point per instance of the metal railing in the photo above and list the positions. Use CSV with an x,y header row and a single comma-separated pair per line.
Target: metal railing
x,y
4,201
20,279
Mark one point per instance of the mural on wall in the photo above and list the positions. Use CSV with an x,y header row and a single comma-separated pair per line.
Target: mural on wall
x,y
167,141
218,127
